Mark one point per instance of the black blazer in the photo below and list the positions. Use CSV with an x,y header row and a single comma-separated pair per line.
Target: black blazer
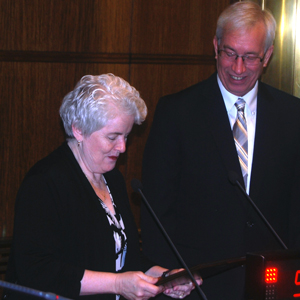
x,y
188,156
61,228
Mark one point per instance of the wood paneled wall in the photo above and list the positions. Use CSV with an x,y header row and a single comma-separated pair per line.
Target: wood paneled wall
x,y
160,47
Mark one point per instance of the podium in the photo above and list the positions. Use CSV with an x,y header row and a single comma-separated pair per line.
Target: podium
x,y
273,275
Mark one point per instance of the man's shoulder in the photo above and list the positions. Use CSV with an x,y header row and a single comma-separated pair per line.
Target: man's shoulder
x,y
192,93
267,91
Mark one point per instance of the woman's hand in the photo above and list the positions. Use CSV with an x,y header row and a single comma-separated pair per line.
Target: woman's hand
x,y
131,285
136,286
181,290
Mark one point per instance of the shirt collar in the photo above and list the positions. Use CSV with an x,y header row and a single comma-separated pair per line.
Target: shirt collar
x,y
230,99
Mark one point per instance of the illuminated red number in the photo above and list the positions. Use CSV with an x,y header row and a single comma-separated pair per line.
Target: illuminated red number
x,y
297,282
271,275
297,278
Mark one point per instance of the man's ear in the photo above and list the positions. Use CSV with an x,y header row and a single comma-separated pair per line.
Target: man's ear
x,y
215,42
268,55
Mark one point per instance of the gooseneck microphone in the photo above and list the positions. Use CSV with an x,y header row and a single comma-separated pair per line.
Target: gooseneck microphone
x,y
137,187
233,178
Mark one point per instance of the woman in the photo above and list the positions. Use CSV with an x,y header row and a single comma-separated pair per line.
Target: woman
x,y
74,232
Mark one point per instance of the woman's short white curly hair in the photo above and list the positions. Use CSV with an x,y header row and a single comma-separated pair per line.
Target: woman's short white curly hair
x,y
97,99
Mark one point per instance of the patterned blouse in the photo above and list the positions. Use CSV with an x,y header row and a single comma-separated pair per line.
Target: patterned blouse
x,y
117,225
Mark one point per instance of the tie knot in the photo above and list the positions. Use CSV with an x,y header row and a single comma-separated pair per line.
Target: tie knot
x,y
240,104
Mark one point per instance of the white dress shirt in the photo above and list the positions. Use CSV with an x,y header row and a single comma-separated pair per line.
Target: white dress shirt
x,y
250,115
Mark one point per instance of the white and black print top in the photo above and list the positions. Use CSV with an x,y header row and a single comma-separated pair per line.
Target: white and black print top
x,y
116,222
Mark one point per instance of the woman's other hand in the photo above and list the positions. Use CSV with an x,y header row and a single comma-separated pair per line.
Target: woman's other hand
x,y
180,291
136,285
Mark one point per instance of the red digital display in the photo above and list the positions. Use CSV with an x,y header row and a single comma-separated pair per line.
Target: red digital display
x,y
296,295
271,275
297,278
297,282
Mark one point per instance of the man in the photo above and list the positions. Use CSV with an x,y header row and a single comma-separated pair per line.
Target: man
x,y
200,135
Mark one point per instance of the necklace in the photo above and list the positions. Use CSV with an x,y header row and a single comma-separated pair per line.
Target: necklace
x,y
99,191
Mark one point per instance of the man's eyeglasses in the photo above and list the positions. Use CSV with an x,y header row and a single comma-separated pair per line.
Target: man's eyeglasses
x,y
249,60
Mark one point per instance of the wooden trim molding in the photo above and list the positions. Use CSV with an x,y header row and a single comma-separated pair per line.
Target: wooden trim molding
x,y
106,58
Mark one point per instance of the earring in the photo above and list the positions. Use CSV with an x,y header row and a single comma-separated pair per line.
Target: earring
x,y
78,143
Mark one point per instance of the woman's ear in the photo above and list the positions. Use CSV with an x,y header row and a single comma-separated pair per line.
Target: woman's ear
x,y
77,134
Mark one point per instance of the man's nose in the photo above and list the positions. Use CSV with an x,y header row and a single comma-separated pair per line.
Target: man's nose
x,y
238,65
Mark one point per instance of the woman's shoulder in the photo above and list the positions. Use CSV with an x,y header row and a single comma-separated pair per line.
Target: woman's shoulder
x,y
59,161
55,178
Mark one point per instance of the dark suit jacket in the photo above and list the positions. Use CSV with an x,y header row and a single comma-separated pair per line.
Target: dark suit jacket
x,y
188,156
61,228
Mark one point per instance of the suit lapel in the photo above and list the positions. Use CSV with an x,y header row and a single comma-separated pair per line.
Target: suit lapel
x,y
220,127
265,138
265,133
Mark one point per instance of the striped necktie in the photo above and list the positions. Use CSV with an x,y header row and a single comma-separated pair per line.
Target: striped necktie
x,y
241,137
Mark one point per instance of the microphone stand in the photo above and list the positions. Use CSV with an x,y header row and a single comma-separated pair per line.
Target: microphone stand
x,y
234,180
29,291
137,186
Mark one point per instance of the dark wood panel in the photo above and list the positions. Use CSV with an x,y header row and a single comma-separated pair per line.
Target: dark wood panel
x,y
175,27
75,26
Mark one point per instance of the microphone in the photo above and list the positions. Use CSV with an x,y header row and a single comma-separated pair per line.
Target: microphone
x,y
137,187
30,291
233,178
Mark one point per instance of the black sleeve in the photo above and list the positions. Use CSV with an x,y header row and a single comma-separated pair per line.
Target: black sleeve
x,y
38,244
160,176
